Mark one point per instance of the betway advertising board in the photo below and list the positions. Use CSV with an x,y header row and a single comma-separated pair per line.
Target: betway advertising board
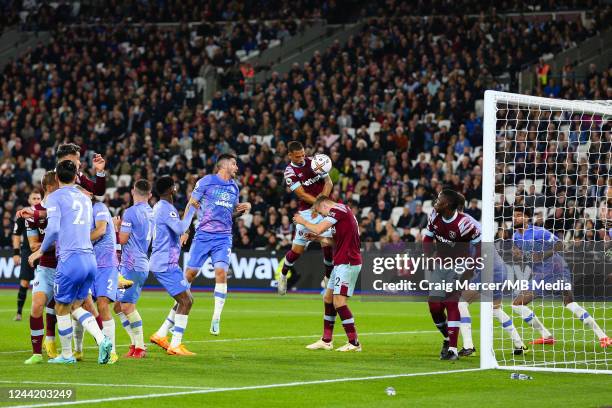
x,y
249,269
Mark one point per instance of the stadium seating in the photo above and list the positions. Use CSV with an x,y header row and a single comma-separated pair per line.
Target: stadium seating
x,y
129,93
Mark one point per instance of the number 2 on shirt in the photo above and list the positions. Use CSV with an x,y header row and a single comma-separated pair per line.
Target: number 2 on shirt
x,y
78,206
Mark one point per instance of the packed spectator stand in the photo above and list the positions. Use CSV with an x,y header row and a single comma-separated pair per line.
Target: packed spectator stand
x,y
396,110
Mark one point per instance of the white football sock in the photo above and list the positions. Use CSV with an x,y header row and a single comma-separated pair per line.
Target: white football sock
x,y
136,325
466,325
586,318
508,326
77,335
89,323
530,318
168,323
126,325
64,327
108,329
180,324
220,294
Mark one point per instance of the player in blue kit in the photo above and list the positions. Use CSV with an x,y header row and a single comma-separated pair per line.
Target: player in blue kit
x,y
218,196
541,248
69,219
105,282
168,228
135,235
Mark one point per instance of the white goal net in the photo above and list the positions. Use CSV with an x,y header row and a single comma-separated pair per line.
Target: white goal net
x,y
546,192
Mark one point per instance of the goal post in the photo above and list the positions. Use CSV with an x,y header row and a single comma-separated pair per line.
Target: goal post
x,y
571,134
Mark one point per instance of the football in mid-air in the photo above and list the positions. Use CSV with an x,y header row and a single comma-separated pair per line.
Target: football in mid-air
x,y
321,163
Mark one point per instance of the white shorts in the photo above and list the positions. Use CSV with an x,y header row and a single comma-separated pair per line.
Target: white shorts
x,y
43,281
343,279
300,230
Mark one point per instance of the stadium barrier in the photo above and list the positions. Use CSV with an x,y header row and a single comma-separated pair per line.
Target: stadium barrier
x,y
249,270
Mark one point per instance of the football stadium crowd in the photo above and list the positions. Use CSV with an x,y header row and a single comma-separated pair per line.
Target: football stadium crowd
x,y
394,108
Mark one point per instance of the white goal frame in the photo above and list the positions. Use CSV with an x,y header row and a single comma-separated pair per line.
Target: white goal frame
x,y
491,99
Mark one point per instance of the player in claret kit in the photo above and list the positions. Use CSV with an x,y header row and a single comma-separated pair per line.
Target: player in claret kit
x,y
217,195
168,228
339,219
104,289
135,235
307,185
22,251
447,225
541,248
42,288
69,219
72,152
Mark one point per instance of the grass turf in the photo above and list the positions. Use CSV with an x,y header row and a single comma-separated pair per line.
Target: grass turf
x,y
262,344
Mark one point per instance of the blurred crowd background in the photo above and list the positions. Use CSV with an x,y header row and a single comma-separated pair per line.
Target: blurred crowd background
x,y
397,108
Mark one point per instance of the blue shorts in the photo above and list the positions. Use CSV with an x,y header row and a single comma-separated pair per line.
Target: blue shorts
x,y
217,247
74,277
43,281
173,280
343,279
132,294
105,283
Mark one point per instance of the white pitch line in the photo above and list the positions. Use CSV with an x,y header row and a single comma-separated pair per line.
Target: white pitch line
x,y
250,387
104,384
238,339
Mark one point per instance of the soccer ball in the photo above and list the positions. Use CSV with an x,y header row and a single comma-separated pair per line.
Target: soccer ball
x,y
321,164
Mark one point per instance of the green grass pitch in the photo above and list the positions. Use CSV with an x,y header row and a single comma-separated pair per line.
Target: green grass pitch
x,y
260,360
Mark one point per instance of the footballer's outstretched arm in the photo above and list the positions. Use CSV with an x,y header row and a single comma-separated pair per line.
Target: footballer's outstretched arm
x,y
98,231
318,229
33,239
304,196
179,227
328,187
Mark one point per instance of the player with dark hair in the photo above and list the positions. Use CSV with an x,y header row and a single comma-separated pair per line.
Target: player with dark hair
x,y
447,224
347,265
70,217
21,252
541,249
168,228
135,235
217,196
307,185
72,152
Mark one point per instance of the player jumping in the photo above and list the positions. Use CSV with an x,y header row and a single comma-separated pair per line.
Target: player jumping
x,y
69,213
347,265
135,235
168,228
307,185
42,288
217,196
541,248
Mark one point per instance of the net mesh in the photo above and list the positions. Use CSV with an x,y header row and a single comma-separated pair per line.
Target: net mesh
x,y
555,163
